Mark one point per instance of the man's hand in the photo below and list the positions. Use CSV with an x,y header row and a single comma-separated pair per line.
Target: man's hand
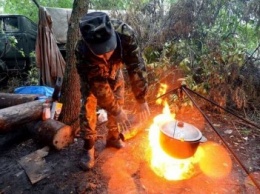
x,y
144,111
123,122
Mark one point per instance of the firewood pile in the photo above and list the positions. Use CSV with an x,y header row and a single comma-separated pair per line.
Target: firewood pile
x,y
25,112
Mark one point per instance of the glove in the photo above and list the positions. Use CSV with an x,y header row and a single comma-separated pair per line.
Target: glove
x,y
144,111
122,121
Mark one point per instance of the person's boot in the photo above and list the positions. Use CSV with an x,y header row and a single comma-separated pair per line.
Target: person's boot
x,y
114,140
87,161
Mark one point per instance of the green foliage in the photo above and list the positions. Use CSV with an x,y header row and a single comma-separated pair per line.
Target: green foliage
x,y
13,82
33,76
109,4
212,51
29,8
12,41
31,11
151,54
22,79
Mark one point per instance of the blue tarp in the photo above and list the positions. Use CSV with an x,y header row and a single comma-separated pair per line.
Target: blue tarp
x,y
42,90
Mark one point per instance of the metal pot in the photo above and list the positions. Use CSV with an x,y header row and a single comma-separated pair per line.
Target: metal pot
x,y
180,139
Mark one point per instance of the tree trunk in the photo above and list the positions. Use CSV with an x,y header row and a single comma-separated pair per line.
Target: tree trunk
x,y
53,133
8,99
70,95
15,116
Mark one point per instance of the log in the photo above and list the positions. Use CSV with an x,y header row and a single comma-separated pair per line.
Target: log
x,y
15,116
53,133
9,99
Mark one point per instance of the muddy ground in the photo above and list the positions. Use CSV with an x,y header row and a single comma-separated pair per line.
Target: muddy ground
x,y
128,170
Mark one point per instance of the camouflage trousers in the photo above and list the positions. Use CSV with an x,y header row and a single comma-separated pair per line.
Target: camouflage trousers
x,y
107,94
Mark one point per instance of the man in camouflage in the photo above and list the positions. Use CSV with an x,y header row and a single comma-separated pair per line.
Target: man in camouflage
x,y
102,50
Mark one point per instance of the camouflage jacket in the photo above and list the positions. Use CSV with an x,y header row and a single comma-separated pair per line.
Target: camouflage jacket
x,y
91,67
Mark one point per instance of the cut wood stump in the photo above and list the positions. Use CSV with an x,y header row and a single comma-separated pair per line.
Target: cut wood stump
x,y
9,99
15,116
53,133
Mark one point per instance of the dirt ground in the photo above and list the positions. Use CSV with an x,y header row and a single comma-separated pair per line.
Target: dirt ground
x,y
128,170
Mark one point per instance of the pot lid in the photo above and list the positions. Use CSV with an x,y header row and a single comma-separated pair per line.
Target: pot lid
x,y
181,131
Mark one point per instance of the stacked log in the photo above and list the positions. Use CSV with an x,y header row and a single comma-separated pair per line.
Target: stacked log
x,y
26,113
14,116
10,99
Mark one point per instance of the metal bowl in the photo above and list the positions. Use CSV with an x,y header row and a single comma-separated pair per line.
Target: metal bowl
x,y
180,139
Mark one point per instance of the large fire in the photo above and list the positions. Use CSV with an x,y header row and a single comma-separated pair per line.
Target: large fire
x,y
163,164
171,168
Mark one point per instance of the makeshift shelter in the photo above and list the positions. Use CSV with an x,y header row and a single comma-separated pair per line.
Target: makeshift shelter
x,y
60,20
48,56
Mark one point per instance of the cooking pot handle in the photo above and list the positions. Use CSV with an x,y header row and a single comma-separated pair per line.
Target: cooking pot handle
x,y
203,139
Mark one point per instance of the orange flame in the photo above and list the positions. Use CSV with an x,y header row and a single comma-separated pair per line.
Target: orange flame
x,y
162,90
171,168
163,164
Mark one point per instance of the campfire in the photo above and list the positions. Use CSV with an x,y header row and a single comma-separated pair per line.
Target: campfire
x,y
176,150
163,164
